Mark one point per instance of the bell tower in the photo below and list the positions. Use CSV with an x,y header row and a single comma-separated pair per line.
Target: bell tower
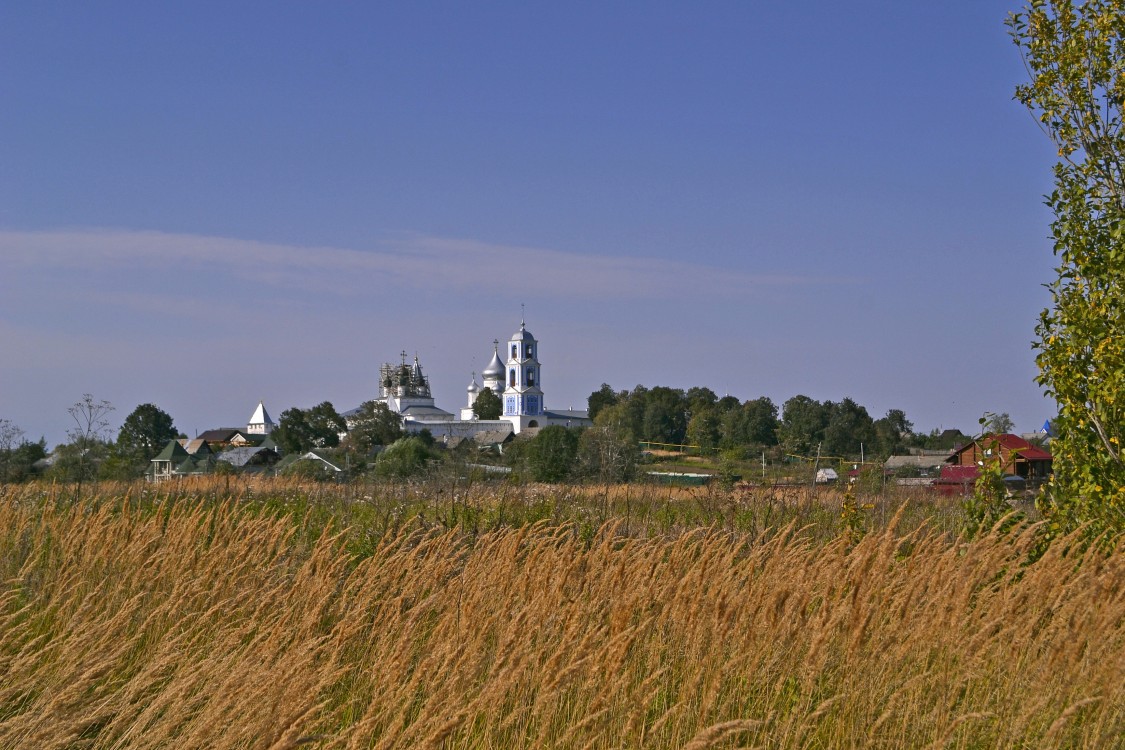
x,y
523,395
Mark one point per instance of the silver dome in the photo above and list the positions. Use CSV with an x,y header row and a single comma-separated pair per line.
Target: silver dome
x,y
495,369
522,335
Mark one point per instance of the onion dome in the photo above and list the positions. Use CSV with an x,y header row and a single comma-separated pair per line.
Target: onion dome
x,y
495,369
473,387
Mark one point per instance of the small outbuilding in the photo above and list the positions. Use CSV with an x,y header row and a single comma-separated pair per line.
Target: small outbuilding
x,y
826,476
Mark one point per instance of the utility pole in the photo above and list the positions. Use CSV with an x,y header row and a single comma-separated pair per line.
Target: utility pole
x,y
816,466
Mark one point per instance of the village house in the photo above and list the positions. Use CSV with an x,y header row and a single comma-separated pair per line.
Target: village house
x,y
1017,456
165,463
1025,462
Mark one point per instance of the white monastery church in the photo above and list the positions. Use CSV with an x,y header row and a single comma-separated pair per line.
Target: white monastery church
x,y
518,383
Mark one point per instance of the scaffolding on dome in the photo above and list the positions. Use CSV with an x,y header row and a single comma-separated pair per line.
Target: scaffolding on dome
x,y
404,380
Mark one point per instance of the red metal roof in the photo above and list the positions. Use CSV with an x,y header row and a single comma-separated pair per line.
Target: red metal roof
x,y
956,479
1025,449
1035,453
959,473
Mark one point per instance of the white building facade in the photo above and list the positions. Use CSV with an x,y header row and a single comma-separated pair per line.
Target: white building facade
x,y
523,396
517,381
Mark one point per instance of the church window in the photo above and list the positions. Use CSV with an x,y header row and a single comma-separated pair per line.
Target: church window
x,y
531,376
530,351
512,377
515,349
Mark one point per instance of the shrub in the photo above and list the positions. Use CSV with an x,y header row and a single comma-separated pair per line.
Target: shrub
x,y
406,457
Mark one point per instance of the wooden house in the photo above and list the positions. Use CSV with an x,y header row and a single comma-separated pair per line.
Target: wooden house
x,y
165,464
1017,456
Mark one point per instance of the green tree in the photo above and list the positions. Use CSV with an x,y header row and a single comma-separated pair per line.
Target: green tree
x,y
10,438
300,430
1075,55
802,424
752,423
27,453
600,399
373,424
665,415
78,463
144,433
10,435
617,419
121,465
17,454
705,427
551,454
634,404
406,457
608,451
892,432
326,424
848,429
699,398
293,433
729,403
937,439
487,405
998,424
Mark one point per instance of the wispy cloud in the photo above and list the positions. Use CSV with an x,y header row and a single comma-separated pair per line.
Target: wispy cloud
x,y
412,261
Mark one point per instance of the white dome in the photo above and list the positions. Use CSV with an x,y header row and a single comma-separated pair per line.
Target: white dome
x,y
522,335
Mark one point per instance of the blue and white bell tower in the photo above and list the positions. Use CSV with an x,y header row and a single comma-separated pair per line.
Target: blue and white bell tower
x,y
523,396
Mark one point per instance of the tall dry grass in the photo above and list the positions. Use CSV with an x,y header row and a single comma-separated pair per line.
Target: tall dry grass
x,y
199,623
370,510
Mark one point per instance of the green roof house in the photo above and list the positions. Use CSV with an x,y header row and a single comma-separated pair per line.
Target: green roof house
x,y
165,462
194,466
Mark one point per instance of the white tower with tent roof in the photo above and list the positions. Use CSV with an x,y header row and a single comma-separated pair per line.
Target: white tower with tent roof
x,y
260,422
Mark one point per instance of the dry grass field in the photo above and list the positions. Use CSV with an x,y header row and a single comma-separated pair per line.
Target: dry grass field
x,y
282,616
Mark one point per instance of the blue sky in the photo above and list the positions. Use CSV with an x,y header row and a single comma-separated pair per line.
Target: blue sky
x,y
207,204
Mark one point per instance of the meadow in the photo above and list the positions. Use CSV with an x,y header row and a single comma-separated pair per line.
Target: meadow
x,y
439,614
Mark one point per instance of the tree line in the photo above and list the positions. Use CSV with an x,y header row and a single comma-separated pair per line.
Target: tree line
x,y
372,437
89,452
699,417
